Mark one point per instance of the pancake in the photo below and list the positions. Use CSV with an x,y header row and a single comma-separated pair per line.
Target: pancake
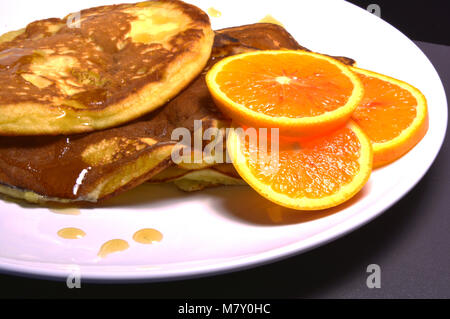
x,y
269,36
195,180
95,166
122,62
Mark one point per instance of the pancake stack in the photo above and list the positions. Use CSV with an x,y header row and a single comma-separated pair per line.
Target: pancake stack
x,y
88,113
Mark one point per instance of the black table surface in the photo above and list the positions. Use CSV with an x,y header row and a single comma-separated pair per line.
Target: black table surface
x,y
410,242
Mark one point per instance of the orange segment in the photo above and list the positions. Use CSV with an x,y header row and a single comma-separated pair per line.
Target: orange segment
x,y
299,92
392,113
311,174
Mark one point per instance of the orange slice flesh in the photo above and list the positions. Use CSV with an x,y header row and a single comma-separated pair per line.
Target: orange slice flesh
x,y
299,92
307,174
392,113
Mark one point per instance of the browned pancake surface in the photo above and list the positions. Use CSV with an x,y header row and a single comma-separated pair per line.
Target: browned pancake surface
x,y
108,67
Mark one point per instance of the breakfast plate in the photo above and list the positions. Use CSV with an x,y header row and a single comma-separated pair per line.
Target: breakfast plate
x,y
225,228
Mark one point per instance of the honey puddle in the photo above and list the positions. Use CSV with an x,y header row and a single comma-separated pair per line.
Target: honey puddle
x,y
113,246
147,236
269,19
214,13
71,233
66,211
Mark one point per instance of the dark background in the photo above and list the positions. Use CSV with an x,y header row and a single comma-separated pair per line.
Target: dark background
x,y
420,20
410,241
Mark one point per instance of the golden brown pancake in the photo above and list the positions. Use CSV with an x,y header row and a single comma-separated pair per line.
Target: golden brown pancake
x,y
195,180
95,166
269,36
122,62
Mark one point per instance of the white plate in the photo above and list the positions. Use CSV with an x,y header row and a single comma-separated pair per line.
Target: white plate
x,y
230,228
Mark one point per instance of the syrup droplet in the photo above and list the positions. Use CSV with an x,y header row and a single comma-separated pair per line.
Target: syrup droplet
x,y
147,236
275,214
71,233
66,211
269,19
112,246
214,13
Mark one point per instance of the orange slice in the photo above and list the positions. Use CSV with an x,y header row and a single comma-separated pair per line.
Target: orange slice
x,y
301,93
305,174
392,113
